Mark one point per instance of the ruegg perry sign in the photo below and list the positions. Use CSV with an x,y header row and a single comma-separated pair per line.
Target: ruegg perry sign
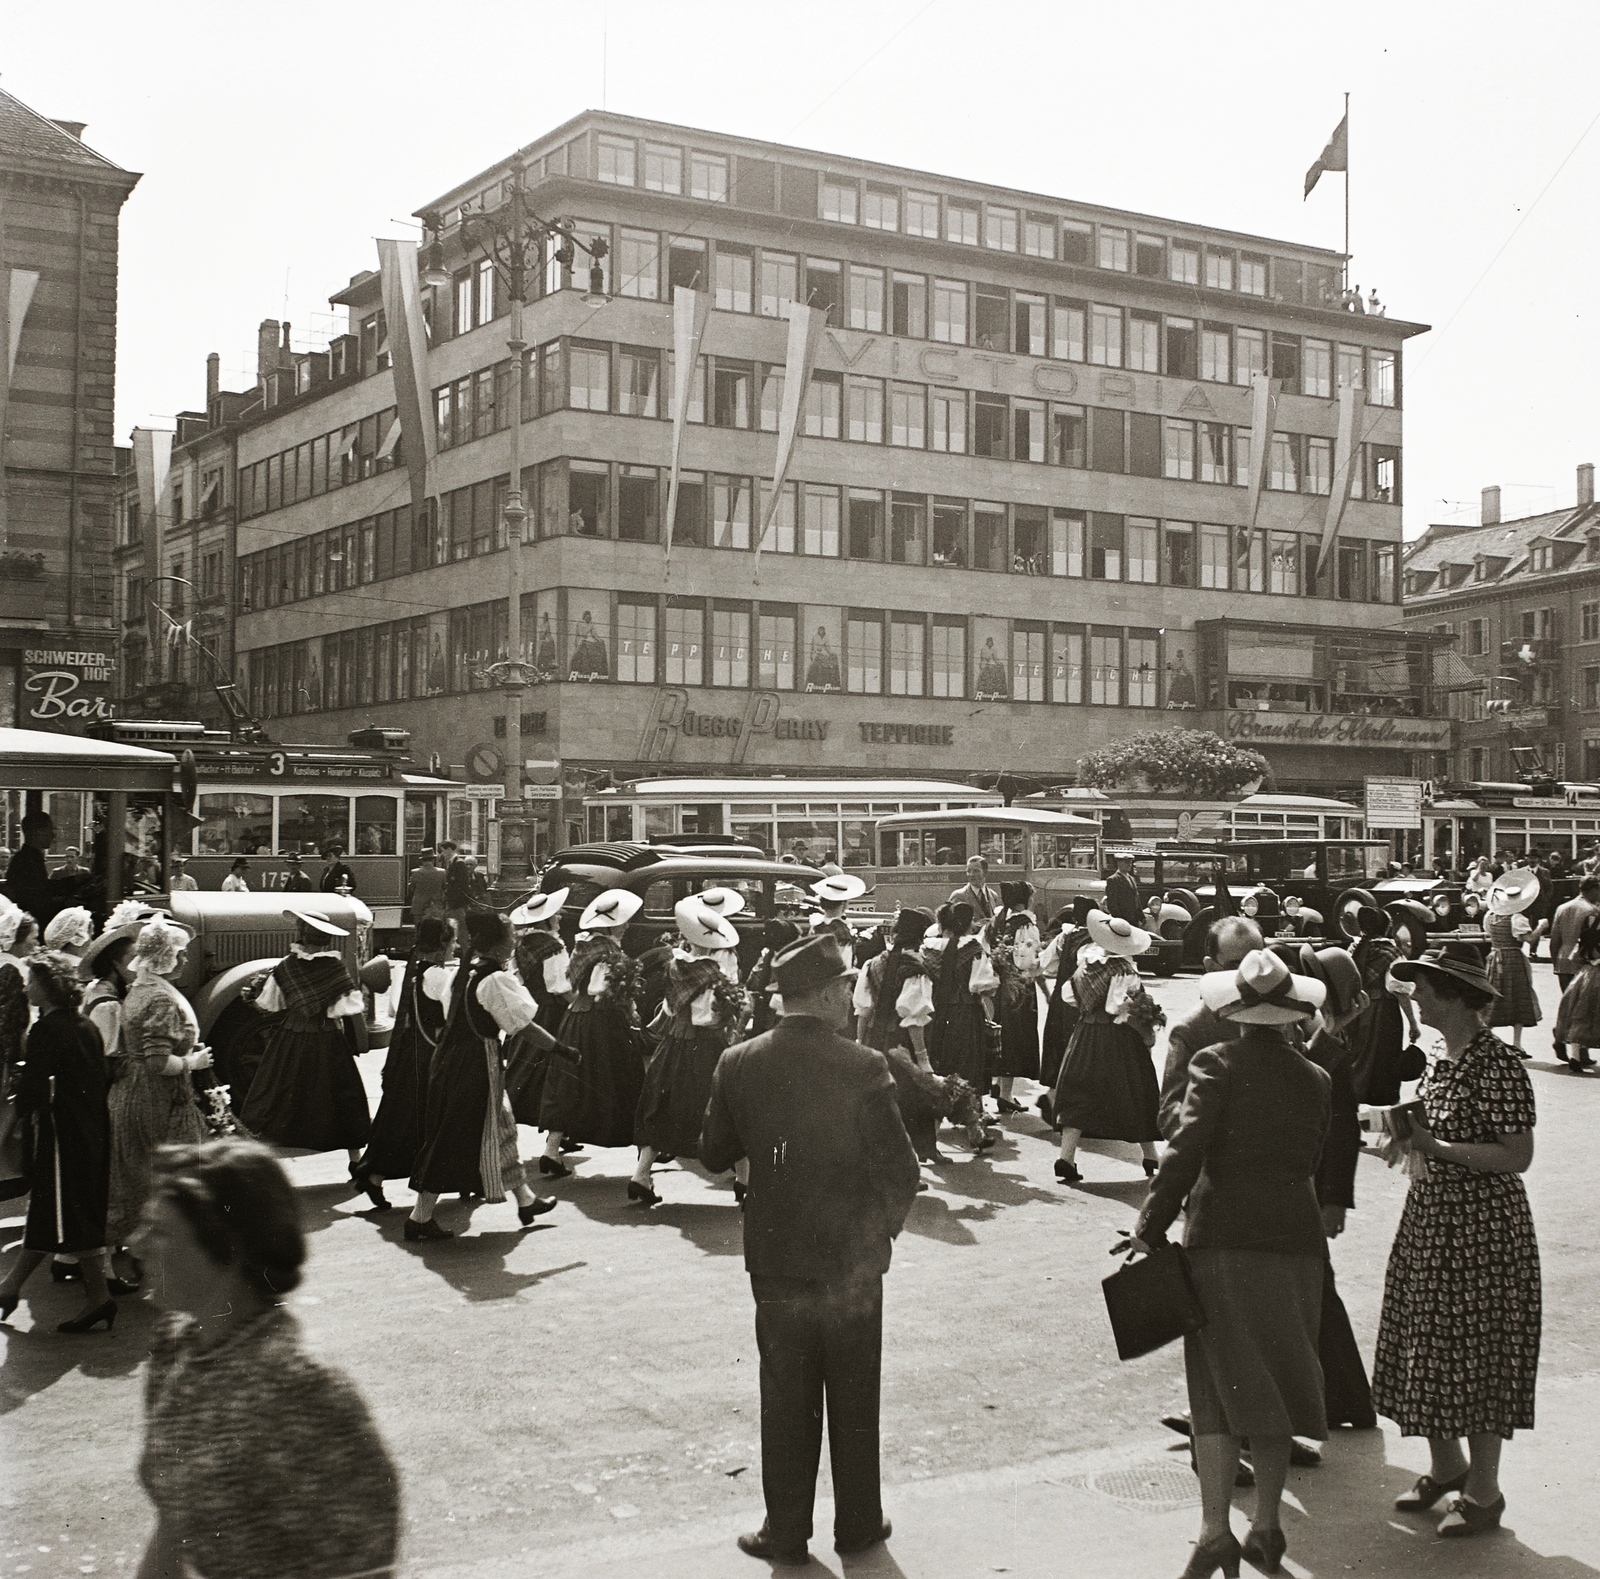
x,y
65,689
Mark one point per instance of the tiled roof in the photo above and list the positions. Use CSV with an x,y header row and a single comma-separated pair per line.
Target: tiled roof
x,y
1509,541
25,132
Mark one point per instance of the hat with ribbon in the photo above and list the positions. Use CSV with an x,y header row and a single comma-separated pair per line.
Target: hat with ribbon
x,y
704,928
615,907
538,907
721,901
1117,936
839,889
809,963
1263,991
317,923
1461,961
1513,891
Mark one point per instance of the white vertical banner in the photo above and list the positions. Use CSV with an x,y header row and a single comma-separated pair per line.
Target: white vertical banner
x,y
691,311
1263,409
152,461
806,326
15,301
1345,451
408,355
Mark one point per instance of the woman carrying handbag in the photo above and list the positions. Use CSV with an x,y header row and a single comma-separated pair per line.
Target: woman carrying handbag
x,y
1245,1157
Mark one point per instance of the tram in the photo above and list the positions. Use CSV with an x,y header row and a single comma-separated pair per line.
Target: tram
x,y
1460,822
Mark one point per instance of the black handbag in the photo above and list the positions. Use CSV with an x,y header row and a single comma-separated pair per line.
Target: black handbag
x,y
1152,1301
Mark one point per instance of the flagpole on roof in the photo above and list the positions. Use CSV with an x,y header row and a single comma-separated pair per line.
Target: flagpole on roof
x,y
1347,192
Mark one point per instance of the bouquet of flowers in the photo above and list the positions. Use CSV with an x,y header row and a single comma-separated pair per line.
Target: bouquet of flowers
x,y
1129,1004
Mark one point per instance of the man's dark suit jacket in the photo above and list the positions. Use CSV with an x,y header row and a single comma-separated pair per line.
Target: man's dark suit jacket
x,y
832,1174
1122,898
1246,1151
983,897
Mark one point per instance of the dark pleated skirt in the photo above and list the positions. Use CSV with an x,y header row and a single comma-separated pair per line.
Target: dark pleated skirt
x,y
1108,1089
527,1071
308,1092
397,1126
1253,1368
956,1043
1019,1033
450,1158
1060,1021
677,1088
596,1099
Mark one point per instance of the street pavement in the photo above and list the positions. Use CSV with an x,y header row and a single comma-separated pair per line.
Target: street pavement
x,y
581,1398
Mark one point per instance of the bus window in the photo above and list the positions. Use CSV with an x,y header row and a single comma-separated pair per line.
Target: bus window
x,y
658,822
756,833
618,824
422,823
811,843
1061,852
375,824
856,842
1000,846
310,821
232,824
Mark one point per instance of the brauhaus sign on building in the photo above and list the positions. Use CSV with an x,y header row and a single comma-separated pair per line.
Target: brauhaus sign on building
x,y
1338,729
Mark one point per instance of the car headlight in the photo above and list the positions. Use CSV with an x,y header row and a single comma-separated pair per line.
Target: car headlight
x,y
1250,906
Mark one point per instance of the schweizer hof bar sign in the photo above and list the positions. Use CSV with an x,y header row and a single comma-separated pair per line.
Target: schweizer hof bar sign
x,y
1338,729
65,689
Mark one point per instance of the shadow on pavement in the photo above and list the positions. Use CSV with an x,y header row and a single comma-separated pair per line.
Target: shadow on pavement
x,y
475,1265
714,1227
37,1359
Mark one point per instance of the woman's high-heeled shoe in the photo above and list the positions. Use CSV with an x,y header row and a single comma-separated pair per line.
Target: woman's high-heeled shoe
x,y
642,1192
1067,1172
1221,1551
539,1205
92,1319
1428,1491
427,1230
554,1168
1264,1549
1150,1167
738,1192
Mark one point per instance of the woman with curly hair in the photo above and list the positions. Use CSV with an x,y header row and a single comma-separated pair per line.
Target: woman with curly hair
x,y
259,1459
593,1098
62,1086
152,1102
707,1008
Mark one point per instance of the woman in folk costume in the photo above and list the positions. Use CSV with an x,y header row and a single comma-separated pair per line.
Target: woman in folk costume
x,y
1378,1036
1578,1016
707,1008
69,931
542,963
759,984
833,893
591,1098
964,983
1513,892
1107,1089
469,1143
396,1136
308,1094
15,1014
727,903
1069,933
1014,947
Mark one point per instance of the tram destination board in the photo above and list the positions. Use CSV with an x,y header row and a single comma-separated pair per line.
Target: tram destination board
x,y
285,765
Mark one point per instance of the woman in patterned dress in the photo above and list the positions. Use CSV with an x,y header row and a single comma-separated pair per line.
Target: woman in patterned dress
x,y
308,1092
1108,1088
707,1008
259,1460
1014,947
1508,928
591,1098
1458,1340
152,1102
396,1136
469,1136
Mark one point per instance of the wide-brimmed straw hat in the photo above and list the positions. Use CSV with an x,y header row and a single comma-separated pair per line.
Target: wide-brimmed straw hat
x,y
704,928
721,901
1117,936
127,929
616,907
1262,991
317,923
1458,960
839,889
538,907
1513,891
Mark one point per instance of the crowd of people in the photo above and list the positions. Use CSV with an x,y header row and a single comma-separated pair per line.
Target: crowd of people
x,y
859,1054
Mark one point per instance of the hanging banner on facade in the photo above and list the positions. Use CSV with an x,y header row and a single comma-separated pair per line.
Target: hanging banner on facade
x,y
1263,408
806,327
15,301
408,355
691,311
152,460
1344,453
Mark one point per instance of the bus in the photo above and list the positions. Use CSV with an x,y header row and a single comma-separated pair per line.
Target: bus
x,y
264,800
812,821
923,855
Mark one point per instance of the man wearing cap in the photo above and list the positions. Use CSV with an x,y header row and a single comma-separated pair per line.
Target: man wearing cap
x,y
1122,891
425,891
296,880
832,1176
977,892
181,882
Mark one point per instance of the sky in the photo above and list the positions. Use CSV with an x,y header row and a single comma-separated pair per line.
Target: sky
x,y
276,142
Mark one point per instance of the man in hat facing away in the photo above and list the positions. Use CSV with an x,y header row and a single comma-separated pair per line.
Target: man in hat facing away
x,y
832,1176
1122,890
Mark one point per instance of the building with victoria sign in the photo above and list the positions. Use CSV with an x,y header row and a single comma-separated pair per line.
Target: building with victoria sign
x,y
1050,474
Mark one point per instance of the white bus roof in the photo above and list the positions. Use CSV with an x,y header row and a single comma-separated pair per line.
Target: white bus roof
x,y
799,789
994,817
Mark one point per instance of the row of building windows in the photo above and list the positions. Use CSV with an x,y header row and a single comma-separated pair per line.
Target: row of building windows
x,y
650,640
900,302
600,499
331,460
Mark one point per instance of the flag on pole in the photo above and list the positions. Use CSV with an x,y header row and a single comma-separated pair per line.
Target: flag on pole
x,y
1345,453
1336,156
691,310
407,344
1263,412
805,336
